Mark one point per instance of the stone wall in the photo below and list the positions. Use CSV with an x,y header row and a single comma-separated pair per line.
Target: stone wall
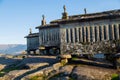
x,y
77,36
32,43
49,37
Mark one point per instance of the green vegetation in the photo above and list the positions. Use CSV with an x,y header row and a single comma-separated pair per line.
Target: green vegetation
x,y
59,75
74,58
56,75
115,77
37,78
63,62
71,79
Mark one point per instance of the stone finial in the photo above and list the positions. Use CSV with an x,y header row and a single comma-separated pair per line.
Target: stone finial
x,y
43,22
85,10
64,14
43,17
64,7
30,31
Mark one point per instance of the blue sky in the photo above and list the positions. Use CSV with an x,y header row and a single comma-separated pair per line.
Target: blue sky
x,y
17,16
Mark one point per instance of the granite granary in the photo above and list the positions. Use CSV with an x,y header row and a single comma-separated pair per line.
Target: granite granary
x,y
66,35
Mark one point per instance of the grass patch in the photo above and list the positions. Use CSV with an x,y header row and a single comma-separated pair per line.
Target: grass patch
x,y
71,79
59,75
38,77
115,77
74,58
56,75
63,62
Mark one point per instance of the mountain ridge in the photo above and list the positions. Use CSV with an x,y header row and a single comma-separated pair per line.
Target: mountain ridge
x,y
12,48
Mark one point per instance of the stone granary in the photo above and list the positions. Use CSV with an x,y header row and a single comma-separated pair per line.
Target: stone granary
x,y
62,35
32,41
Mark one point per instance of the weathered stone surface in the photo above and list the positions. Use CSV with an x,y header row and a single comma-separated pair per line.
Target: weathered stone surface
x,y
44,71
36,65
33,62
84,72
92,73
65,56
12,74
7,62
56,66
2,66
67,69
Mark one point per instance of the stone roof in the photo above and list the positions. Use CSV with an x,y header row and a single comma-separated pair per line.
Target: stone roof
x,y
89,17
53,25
32,35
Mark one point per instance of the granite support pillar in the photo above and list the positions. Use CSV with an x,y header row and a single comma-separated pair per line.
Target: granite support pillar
x,y
102,33
107,32
93,33
84,34
64,32
112,32
81,35
117,31
88,33
69,36
73,34
77,29
97,33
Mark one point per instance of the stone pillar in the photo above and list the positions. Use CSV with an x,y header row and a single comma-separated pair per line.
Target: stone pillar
x,y
58,36
65,35
88,33
113,35
84,34
107,32
102,32
73,34
117,31
69,36
81,36
97,33
42,37
45,36
54,33
48,35
55,39
78,35
93,33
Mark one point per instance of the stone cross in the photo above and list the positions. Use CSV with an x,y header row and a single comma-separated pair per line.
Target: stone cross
x,y
30,31
43,17
64,7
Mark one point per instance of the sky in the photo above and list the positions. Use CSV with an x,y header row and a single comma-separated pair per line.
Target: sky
x,y
17,16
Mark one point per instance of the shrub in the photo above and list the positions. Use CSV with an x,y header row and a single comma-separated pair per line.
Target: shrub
x,y
115,77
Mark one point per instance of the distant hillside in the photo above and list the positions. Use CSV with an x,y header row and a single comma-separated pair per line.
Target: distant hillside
x,y
12,48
